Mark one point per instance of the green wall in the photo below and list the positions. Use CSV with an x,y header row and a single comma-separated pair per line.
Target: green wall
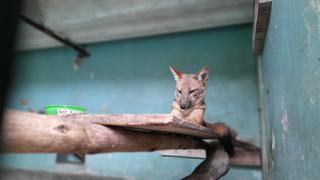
x,y
132,76
291,79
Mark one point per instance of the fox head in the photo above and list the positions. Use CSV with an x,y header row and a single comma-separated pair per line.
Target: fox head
x,y
190,88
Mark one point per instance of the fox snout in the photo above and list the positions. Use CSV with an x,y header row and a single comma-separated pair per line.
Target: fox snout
x,y
184,104
190,87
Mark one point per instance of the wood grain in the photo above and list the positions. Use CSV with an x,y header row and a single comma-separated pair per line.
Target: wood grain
x,y
262,11
150,122
25,132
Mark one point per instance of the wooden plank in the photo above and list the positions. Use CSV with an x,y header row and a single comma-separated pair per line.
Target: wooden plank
x,y
188,153
241,158
262,12
149,122
73,174
25,132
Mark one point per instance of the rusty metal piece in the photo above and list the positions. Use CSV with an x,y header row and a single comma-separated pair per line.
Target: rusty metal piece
x,y
82,52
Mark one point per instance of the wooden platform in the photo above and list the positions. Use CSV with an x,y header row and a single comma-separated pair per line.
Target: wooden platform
x,y
26,132
147,122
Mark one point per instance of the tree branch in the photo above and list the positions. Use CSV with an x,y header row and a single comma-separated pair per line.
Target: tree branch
x,y
25,132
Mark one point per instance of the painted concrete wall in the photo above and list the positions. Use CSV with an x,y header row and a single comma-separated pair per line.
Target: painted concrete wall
x,y
106,20
291,74
132,76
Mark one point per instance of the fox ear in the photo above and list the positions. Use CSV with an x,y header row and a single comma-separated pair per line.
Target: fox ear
x,y
203,74
176,74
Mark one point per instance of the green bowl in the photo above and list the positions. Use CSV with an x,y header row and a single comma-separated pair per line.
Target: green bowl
x,y
64,109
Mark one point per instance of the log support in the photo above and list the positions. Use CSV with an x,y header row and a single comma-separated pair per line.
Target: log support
x,y
25,132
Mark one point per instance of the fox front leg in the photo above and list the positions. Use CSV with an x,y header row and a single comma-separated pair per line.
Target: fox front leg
x,y
196,116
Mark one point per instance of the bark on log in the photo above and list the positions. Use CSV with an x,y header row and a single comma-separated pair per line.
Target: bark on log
x,y
25,132
151,122
213,167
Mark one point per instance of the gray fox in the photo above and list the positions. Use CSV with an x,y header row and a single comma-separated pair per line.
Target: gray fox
x,y
189,104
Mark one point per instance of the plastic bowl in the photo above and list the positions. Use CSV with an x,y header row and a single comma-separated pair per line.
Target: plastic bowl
x,y
64,109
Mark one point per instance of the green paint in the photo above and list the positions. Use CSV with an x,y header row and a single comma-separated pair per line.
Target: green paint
x,y
132,76
291,77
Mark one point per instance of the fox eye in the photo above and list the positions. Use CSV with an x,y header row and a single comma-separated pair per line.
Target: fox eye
x,y
192,91
179,91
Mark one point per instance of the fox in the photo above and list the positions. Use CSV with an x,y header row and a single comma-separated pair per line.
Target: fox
x,y
189,95
189,104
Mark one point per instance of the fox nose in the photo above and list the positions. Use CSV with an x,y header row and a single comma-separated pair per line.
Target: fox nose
x,y
184,106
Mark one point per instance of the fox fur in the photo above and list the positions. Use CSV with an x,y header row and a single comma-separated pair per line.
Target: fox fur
x,y
189,104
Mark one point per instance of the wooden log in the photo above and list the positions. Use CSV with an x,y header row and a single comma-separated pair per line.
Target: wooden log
x,y
25,132
262,11
213,167
150,122
246,154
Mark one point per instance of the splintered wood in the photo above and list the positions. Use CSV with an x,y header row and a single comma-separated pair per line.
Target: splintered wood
x,y
148,122
262,12
26,132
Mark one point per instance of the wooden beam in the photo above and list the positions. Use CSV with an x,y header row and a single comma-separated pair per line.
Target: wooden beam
x,y
25,132
149,122
23,174
262,13
213,167
246,154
